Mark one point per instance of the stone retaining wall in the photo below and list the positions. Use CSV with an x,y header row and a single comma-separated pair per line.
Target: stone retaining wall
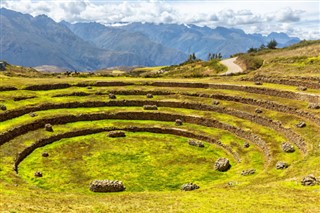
x,y
173,131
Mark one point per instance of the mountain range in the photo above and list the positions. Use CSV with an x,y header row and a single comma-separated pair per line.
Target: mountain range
x,y
36,41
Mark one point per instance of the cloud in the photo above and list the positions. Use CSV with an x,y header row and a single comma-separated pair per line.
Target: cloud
x,y
253,17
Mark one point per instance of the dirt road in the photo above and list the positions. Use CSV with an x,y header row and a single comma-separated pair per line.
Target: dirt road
x,y
232,67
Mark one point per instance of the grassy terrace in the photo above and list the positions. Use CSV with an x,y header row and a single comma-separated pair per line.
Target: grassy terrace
x,y
153,166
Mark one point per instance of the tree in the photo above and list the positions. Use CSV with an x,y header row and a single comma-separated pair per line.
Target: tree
x,y
252,50
272,44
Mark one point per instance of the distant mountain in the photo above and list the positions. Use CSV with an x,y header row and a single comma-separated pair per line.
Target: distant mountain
x,y
115,39
37,41
203,40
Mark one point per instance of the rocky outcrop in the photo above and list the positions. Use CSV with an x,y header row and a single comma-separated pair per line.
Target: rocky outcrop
x,y
309,180
287,147
150,107
301,124
178,122
189,187
107,186
32,114
246,144
48,127
195,143
149,95
248,172
222,165
112,96
116,134
281,165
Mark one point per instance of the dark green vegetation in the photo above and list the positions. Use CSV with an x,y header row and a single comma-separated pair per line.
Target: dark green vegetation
x,y
155,159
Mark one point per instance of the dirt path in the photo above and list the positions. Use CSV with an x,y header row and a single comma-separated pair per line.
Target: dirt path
x,y
232,67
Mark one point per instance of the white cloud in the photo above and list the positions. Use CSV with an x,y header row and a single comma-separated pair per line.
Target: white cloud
x,y
252,16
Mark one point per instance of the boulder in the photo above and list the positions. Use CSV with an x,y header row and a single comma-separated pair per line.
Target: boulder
x,y
189,187
150,107
3,107
116,134
309,180
258,111
45,154
222,165
302,88
178,122
287,147
89,87
301,124
38,174
48,127
107,186
258,83
195,143
32,114
246,145
112,96
314,106
248,172
215,102
149,95
281,165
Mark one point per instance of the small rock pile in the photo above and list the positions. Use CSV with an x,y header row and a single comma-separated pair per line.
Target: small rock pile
x,y
189,187
112,96
302,88
32,114
116,134
282,165
258,83
215,102
248,172
178,122
38,174
301,124
246,145
314,106
150,107
107,186
258,111
287,147
48,127
222,165
195,143
149,95
309,180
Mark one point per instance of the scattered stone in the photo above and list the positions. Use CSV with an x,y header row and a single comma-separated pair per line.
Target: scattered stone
x,y
301,124
246,145
178,122
287,147
38,174
309,180
107,186
258,83
116,134
281,165
222,165
3,107
149,95
189,187
195,143
112,96
248,172
32,114
215,102
45,154
302,88
48,127
314,106
258,111
150,107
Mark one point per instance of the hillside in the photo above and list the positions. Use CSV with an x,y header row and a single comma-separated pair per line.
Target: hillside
x,y
249,146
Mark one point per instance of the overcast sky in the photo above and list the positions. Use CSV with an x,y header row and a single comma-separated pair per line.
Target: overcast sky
x,y
297,18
